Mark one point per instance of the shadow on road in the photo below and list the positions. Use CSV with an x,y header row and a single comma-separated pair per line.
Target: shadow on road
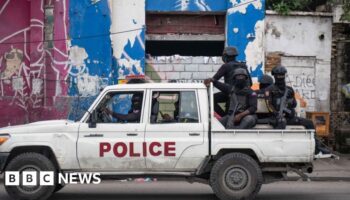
x,y
75,196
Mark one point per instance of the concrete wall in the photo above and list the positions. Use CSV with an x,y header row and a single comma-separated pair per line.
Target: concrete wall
x,y
182,68
303,41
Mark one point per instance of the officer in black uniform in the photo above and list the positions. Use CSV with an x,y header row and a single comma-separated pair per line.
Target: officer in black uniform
x,y
264,82
281,97
134,113
243,101
226,70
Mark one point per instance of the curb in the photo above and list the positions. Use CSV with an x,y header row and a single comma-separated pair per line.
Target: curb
x,y
319,179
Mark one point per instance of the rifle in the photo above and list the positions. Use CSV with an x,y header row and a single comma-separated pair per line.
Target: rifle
x,y
281,120
234,104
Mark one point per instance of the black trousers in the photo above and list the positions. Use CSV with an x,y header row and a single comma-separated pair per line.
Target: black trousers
x,y
247,122
221,97
308,124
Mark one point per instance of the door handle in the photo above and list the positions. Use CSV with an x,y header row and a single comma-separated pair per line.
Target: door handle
x,y
94,135
131,134
194,134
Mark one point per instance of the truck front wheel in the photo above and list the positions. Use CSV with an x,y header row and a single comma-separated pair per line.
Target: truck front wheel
x,y
236,176
30,162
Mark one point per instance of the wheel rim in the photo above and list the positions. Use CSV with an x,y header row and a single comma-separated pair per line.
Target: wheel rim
x,y
29,189
236,178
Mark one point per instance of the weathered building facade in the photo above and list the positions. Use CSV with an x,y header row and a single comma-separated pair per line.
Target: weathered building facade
x,y
302,42
57,55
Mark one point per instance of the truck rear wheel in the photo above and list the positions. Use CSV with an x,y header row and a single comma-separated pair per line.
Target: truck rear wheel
x,y
30,162
236,176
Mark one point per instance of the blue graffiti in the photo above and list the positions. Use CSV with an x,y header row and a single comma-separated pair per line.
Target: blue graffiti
x,y
186,5
89,29
258,72
135,52
245,26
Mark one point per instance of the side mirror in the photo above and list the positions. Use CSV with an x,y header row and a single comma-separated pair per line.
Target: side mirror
x,y
93,119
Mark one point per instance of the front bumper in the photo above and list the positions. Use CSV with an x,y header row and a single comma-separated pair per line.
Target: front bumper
x,y
3,159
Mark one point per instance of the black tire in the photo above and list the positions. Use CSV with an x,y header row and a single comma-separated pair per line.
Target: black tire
x,y
236,176
30,162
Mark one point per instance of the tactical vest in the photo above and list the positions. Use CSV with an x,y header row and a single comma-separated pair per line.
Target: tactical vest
x,y
242,99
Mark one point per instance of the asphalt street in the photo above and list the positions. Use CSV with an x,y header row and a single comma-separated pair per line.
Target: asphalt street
x,y
111,190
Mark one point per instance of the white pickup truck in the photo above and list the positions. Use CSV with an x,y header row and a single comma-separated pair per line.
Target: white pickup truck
x,y
175,136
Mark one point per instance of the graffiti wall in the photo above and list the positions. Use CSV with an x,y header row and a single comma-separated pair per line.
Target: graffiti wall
x,y
54,55
32,75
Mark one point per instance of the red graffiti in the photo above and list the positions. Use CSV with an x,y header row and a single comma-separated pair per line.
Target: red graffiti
x,y
121,149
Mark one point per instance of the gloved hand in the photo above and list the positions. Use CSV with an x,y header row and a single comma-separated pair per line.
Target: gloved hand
x,y
290,102
208,81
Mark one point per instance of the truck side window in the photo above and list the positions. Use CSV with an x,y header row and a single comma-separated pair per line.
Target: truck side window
x,y
120,107
188,107
174,107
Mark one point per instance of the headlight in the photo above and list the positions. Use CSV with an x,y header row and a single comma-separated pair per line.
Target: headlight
x,y
4,138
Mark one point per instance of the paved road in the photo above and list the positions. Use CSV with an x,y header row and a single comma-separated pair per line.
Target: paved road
x,y
180,190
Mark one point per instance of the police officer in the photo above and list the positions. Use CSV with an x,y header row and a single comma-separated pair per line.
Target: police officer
x,y
226,70
134,113
264,82
282,102
243,101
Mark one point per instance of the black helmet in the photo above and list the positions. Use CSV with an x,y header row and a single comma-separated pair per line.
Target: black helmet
x,y
240,71
279,70
266,79
230,51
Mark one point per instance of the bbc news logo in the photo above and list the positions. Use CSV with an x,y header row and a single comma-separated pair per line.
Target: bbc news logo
x,y
47,178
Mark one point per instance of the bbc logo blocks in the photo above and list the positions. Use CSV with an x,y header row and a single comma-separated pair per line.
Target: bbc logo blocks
x,y
29,178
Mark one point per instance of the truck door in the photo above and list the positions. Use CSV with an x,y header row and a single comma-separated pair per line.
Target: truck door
x,y
174,132
116,141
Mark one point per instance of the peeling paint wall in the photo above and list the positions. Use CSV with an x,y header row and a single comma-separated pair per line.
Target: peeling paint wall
x,y
52,79
90,64
307,48
129,42
32,76
245,28
186,5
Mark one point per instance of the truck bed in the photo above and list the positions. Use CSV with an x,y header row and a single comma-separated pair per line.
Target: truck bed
x,y
294,145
